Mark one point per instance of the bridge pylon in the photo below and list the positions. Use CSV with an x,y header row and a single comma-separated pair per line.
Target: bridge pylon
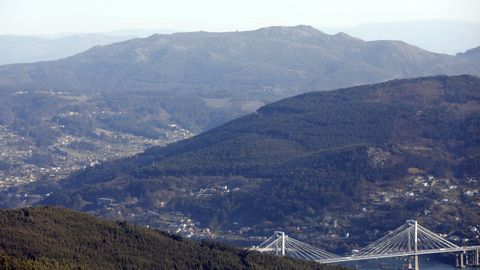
x,y
410,238
281,244
412,227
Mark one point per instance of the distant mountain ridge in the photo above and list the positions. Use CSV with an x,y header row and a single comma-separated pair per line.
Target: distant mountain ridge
x,y
233,73
441,36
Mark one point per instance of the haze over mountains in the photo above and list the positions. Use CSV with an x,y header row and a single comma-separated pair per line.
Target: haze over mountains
x,y
26,49
441,36
224,75
16,49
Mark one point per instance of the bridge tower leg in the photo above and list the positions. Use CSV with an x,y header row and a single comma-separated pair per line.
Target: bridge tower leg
x,y
477,257
415,245
412,224
474,258
280,246
460,263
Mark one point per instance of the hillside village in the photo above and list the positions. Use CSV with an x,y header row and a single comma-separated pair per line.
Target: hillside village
x,y
23,161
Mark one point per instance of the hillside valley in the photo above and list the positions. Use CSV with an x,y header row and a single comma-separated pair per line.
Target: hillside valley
x,y
49,134
117,100
337,166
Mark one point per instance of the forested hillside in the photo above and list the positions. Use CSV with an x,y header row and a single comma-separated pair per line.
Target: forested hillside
x,y
117,100
55,238
314,156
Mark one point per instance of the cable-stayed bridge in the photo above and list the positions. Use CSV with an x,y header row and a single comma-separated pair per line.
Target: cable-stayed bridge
x,y
281,245
410,240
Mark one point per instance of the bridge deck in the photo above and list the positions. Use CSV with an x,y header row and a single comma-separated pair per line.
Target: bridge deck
x,y
394,255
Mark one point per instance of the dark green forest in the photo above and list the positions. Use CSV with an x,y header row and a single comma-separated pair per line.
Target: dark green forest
x,y
303,157
56,238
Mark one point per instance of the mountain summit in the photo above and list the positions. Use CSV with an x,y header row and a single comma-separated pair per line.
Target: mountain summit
x,y
232,73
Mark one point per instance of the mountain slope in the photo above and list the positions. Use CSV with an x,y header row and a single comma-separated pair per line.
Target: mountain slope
x,y
321,121
299,160
297,53
116,100
55,238
472,55
233,72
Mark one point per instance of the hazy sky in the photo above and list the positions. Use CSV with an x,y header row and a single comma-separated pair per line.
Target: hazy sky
x,y
63,16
